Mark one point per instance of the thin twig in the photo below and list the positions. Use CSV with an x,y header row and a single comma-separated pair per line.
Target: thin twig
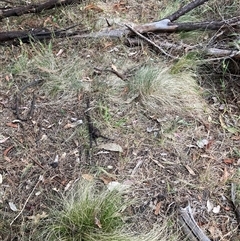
x,y
150,42
36,162
119,75
139,163
39,179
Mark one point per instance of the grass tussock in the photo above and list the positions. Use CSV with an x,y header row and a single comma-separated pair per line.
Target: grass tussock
x,y
160,90
61,74
89,214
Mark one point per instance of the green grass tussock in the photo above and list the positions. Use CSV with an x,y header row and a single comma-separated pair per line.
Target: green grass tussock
x,y
62,75
90,213
160,90
87,214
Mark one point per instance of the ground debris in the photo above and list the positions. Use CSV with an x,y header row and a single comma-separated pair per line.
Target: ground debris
x,y
189,225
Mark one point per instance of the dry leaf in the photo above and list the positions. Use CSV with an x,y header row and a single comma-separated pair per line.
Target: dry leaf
x,y
38,217
97,222
225,175
111,147
47,20
68,185
202,143
63,156
157,210
117,186
93,7
107,179
222,122
7,78
87,177
114,68
59,52
207,156
215,232
12,206
10,124
190,170
72,125
3,139
7,150
209,206
235,138
229,161
108,44
120,6
216,209
7,158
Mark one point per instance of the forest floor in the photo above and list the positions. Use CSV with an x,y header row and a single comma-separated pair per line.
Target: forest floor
x,y
170,155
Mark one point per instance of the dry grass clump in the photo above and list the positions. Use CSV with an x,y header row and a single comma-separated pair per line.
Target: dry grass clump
x,y
61,74
160,90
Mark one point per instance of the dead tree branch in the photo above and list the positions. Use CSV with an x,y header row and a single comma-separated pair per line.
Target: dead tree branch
x,y
166,25
151,42
189,225
35,8
36,34
185,9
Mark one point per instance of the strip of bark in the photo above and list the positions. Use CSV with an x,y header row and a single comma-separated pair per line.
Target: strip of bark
x,y
35,8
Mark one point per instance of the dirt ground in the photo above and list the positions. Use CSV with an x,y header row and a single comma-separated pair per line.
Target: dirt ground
x,y
170,159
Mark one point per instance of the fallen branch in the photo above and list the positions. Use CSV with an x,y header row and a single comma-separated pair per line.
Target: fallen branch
x,y
223,53
185,9
35,34
215,53
166,25
151,42
35,8
191,229
112,70
163,26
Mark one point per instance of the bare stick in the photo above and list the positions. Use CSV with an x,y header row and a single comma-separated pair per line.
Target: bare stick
x,y
189,225
112,70
150,42
180,12
39,180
